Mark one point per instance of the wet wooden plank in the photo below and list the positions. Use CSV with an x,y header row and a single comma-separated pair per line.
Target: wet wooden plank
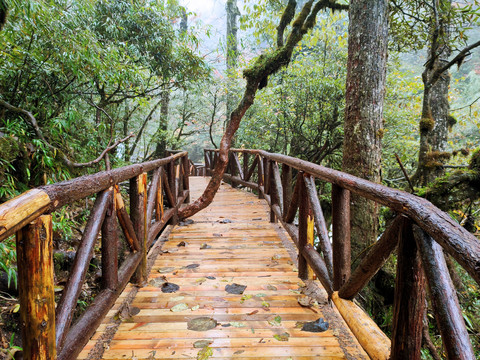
x,y
243,248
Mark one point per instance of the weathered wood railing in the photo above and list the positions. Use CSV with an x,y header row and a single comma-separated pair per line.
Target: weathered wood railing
x,y
421,233
46,332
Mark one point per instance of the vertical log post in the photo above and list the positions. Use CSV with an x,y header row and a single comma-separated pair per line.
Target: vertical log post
x,y
36,289
274,198
444,298
245,165
206,156
287,187
186,175
138,214
159,197
233,168
171,182
340,236
261,176
110,246
409,302
266,176
305,228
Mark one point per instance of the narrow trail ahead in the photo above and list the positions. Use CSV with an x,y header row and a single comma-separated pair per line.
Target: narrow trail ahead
x,y
230,242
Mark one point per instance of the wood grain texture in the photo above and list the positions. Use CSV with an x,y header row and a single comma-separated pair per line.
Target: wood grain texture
x,y
368,334
232,241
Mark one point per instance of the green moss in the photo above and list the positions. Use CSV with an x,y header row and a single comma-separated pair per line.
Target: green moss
x,y
9,148
427,124
475,161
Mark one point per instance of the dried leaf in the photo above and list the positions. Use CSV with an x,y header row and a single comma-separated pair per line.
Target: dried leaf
x,y
205,246
217,235
170,288
235,289
316,326
260,295
205,353
157,282
237,324
245,298
225,221
277,321
202,343
179,307
271,287
134,311
200,281
276,257
265,305
201,324
299,324
211,277
196,307
238,352
191,266
253,312
182,243
282,337
305,301
165,270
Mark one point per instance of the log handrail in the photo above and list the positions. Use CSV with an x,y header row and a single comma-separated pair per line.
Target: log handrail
x,y
146,220
434,230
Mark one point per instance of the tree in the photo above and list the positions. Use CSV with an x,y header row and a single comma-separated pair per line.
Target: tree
x,y
232,50
256,76
365,90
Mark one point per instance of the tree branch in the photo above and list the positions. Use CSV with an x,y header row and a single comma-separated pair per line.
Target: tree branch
x,y
33,122
286,19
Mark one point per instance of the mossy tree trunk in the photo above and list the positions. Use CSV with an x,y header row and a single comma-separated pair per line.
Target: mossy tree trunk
x,y
232,52
365,91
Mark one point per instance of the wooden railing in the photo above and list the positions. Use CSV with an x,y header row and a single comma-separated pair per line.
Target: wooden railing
x,y
48,332
421,233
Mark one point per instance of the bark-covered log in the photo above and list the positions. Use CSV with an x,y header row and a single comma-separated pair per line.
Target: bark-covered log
x,y
125,221
373,261
409,304
138,212
110,246
444,298
36,288
289,216
152,193
304,211
317,263
72,290
287,188
320,224
340,236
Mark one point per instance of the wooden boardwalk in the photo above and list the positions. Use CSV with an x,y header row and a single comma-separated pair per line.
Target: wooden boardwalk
x,y
230,242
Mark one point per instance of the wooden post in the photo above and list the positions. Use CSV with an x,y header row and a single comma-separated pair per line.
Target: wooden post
x,y
409,302
266,176
233,168
36,289
340,235
305,229
261,176
186,175
444,298
286,187
206,156
173,198
110,246
138,214
159,197
274,198
245,165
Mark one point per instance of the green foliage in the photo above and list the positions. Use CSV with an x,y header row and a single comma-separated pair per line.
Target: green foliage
x,y
8,260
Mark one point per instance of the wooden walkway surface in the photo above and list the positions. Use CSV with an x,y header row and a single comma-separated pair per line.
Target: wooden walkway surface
x,y
230,242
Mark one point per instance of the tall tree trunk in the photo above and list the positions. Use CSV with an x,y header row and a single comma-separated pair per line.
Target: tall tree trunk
x,y
232,52
161,148
365,91
435,106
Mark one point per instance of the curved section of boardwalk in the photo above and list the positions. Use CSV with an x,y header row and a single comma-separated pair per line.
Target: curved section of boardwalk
x,y
231,242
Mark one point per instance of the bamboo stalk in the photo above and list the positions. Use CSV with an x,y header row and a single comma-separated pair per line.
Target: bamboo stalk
x,y
36,289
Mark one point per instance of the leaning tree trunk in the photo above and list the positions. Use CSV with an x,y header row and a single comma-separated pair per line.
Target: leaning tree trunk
x,y
365,91
161,148
256,76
